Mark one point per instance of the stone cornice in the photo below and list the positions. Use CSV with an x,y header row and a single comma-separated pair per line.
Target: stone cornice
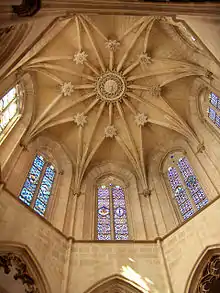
x,y
129,7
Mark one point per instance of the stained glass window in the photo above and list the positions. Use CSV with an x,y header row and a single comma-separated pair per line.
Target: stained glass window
x,y
214,109
185,186
38,185
112,221
9,107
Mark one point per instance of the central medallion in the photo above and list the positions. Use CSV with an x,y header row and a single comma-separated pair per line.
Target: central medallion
x,y
110,86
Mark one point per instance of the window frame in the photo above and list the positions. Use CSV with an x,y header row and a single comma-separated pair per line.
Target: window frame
x,y
115,182
49,204
20,108
181,154
203,106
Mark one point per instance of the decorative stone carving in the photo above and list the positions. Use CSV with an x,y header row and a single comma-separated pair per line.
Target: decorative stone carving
x,y
145,59
110,86
209,74
156,91
13,264
112,45
80,119
67,89
110,131
80,57
140,119
211,274
27,8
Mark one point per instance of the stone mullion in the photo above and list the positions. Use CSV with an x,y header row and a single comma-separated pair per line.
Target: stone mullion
x,y
111,210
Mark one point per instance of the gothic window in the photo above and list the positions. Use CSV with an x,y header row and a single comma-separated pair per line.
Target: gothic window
x,y
214,109
9,108
112,223
38,185
187,191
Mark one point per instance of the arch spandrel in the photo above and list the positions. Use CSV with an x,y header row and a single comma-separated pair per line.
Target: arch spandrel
x,y
205,273
20,271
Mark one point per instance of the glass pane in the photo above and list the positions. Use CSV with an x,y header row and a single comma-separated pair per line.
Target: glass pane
x,y
103,214
119,214
211,114
40,207
50,172
8,108
45,190
192,183
39,162
217,120
180,194
5,100
214,99
31,182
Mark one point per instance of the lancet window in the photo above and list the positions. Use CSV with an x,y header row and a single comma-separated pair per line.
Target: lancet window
x,y
187,191
10,105
112,222
214,109
38,185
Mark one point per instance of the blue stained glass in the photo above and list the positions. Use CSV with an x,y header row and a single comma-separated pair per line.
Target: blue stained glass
x,y
26,196
103,215
45,190
211,114
32,179
214,99
34,183
50,172
119,214
180,194
111,213
217,120
192,183
40,207
39,162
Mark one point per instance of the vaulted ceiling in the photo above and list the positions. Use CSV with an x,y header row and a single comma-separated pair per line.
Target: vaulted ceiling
x,y
116,88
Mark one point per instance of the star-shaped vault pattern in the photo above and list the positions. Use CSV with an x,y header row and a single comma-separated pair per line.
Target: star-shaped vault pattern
x,y
115,81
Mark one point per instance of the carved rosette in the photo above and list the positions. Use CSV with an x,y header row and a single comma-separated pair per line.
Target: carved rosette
x,y
67,89
80,119
12,264
111,87
110,131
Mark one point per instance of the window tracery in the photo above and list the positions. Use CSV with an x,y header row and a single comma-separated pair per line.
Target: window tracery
x,y
10,105
38,185
214,109
187,191
112,223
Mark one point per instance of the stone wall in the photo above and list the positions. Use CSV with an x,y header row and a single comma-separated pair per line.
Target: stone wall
x,y
183,248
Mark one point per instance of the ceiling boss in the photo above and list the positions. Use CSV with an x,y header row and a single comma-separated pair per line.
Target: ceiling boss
x,y
111,86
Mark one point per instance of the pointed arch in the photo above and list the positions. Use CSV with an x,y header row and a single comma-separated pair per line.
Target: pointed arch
x,y
182,182
115,283
18,254
203,273
87,200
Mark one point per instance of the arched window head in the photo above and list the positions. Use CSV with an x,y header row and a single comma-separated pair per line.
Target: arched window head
x,y
187,191
214,109
112,222
10,107
38,185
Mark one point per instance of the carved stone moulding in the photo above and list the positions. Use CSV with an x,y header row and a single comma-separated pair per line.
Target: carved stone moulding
x,y
27,8
13,264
